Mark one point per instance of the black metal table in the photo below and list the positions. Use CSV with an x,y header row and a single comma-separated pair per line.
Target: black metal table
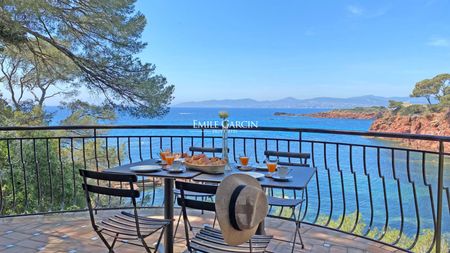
x,y
169,179
300,179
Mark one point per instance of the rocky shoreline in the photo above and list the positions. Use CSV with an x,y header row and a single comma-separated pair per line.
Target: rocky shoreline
x,y
335,114
385,121
429,124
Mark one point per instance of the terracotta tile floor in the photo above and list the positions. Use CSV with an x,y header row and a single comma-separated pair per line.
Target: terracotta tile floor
x,y
72,232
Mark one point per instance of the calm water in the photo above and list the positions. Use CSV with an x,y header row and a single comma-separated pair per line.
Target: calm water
x,y
265,117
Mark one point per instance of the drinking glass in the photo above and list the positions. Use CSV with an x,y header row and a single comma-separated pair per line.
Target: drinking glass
x,y
244,160
163,155
271,165
169,159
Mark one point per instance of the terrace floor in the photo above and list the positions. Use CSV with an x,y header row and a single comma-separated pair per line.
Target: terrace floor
x,y
72,232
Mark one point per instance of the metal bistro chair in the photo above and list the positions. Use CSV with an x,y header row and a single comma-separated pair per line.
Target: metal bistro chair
x,y
291,203
209,239
203,196
124,226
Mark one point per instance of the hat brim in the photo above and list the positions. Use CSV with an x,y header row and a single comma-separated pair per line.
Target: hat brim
x,y
231,235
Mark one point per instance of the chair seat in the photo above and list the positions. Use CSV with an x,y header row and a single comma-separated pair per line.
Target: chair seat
x,y
211,240
275,201
192,194
125,224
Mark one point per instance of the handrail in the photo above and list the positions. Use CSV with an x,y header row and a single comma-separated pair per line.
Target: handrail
x,y
284,129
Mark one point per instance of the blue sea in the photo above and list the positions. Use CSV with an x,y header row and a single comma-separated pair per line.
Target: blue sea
x,y
402,183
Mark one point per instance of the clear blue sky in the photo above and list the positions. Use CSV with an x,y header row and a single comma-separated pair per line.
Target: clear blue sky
x,y
273,49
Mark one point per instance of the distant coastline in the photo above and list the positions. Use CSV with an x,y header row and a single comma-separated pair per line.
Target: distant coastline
x,y
355,113
294,103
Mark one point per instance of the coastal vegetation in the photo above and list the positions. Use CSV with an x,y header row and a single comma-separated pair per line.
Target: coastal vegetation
x,y
68,50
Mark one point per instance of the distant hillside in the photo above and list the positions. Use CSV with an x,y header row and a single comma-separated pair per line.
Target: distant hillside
x,y
355,113
319,103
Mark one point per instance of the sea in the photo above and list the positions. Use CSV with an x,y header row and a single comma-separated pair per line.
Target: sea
x,y
409,185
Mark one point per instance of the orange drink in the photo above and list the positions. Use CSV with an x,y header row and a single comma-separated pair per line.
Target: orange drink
x,y
244,160
163,154
271,165
169,159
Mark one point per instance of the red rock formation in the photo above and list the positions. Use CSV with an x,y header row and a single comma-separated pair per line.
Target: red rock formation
x,y
430,124
342,114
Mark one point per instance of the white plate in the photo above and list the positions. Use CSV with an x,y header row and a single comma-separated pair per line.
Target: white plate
x,y
146,168
175,171
260,167
252,174
278,178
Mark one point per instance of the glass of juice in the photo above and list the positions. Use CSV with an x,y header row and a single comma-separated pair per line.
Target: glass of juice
x,y
169,159
163,155
271,165
244,160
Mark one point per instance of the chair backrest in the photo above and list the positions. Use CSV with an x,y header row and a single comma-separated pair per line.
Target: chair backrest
x,y
302,157
125,180
196,188
108,190
193,203
202,150
102,189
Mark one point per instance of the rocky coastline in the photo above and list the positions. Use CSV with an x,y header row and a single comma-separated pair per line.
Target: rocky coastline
x,y
385,121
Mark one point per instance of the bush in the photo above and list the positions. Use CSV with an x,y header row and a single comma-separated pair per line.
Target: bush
x,y
413,110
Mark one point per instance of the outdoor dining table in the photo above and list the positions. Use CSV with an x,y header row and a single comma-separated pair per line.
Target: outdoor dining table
x,y
169,179
301,176
300,179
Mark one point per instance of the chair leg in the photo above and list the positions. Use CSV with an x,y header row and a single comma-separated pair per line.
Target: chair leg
x,y
178,223
110,248
214,222
159,239
297,229
146,247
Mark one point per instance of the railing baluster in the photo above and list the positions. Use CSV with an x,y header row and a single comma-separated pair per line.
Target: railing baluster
x,y
50,173
38,181
330,189
95,149
386,208
73,172
319,203
151,147
62,174
399,194
416,206
356,189
341,176
118,151
22,162
255,148
369,185
140,148
11,171
430,193
129,149
440,198
108,164
234,150
182,144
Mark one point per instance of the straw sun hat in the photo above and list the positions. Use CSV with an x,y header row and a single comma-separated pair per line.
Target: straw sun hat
x,y
241,205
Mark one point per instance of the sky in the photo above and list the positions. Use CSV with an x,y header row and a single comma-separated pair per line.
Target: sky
x,y
267,49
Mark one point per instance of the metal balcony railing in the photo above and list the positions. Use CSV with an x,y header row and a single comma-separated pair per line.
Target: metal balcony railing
x,y
367,184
